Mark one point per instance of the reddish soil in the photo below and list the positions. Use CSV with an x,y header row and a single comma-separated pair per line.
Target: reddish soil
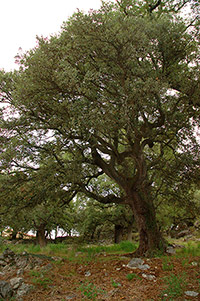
x,y
66,279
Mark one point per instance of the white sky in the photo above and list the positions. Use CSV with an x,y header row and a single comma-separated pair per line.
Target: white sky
x,y
22,20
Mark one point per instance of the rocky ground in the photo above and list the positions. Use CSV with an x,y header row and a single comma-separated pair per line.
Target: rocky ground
x,y
104,277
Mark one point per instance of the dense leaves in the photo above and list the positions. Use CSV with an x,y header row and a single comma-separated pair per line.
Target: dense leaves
x,y
115,93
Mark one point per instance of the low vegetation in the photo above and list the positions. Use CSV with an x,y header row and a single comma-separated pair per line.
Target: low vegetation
x,y
94,272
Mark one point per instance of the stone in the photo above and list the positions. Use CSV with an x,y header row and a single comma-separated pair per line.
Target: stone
x,y
6,290
88,273
24,289
16,282
148,277
30,266
36,261
191,293
135,263
8,268
47,268
138,263
144,267
2,263
8,257
20,272
194,263
8,253
22,262
170,250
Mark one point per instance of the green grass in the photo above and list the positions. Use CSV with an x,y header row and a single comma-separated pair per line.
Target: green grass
x,y
79,254
174,287
132,276
190,249
167,265
69,251
115,284
89,291
124,246
39,278
59,249
185,262
29,248
56,249
44,282
35,273
87,253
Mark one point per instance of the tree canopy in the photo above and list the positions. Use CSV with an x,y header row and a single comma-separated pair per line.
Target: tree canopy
x,y
116,92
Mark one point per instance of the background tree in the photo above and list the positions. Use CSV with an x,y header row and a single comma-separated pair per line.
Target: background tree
x,y
114,85
32,202
96,221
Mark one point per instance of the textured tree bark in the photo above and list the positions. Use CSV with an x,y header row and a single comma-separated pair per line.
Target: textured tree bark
x,y
150,238
41,240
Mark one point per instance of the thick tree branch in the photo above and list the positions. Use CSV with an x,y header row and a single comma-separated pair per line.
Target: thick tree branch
x,y
108,169
152,7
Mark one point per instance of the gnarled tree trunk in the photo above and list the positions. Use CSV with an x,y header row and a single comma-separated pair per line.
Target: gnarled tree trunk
x,y
150,238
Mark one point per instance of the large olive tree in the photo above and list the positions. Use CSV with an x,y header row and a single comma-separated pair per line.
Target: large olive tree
x,y
116,90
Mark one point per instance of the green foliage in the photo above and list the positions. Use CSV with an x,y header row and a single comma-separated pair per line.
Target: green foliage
x,y
124,246
29,203
132,276
115,284
39,278
173,211
191,248
96,221
35,273
73,253
175,286
167,265
89,291
59,248
127,246
185,262
44,281
33,248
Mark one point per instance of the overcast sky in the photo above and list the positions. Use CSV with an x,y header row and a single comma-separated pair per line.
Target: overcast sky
x,y
22,20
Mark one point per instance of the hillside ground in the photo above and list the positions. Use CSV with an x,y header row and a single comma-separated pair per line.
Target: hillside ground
x,y
101,273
